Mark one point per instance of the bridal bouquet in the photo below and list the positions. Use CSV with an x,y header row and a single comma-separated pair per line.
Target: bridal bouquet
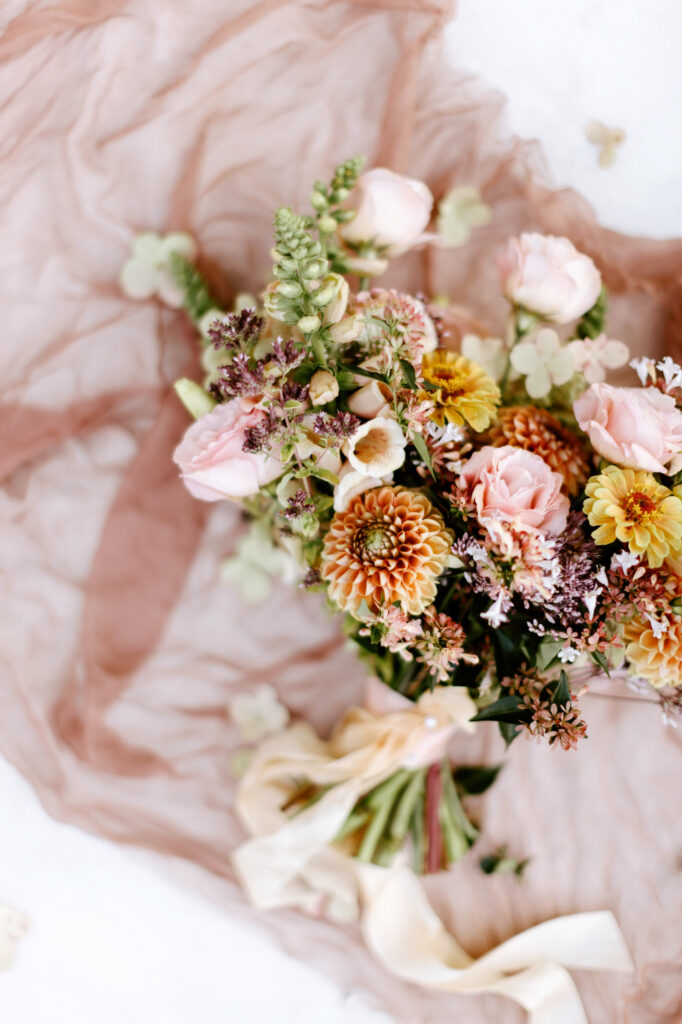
x,y
495,522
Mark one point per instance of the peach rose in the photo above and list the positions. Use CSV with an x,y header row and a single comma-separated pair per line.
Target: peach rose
x,y
637,428
391,211
515,485
548,276
212,459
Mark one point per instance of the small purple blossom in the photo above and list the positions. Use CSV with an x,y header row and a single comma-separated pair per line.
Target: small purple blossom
x,y
236,330
293,392
239,378
286,355
312,578
297,506
343,424
260,438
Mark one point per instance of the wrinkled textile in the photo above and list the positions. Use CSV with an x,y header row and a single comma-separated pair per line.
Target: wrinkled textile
x,y
119,649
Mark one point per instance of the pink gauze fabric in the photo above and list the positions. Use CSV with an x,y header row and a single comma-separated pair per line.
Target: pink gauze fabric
x,y
119,648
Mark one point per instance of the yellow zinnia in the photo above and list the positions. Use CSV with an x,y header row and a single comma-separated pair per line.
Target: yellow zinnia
x,y
464,393
657,659
632,507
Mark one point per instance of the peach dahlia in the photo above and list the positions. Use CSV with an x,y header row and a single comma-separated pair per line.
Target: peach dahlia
x,y
388,547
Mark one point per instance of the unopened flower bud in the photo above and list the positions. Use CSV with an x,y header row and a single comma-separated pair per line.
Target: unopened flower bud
x,y
290,289
315,268
345,331
327,224
318,201
323,387
324,294
194,398
309,324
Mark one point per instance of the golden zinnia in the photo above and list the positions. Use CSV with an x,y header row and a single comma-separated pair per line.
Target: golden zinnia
x,y
388,546
631,506
463,390
537,431
658,659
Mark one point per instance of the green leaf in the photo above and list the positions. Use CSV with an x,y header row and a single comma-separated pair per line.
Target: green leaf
x,y
502,710
362,372
324,474
508,654
562,693
547,653
600,659
409,376
476,779
346,379
420,444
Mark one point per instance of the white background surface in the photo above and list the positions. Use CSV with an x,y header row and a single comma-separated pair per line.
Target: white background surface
x,y
113,940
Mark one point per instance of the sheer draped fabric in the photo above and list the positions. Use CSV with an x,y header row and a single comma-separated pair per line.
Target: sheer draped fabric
x,y
120,649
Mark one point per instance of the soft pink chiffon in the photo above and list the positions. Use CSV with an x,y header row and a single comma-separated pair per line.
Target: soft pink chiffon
x,y
120,649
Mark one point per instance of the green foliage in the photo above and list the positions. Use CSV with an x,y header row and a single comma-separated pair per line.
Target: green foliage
x,y
476,779
594,321
197,298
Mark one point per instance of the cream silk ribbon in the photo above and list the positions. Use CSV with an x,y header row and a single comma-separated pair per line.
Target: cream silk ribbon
x,y
404,933
289,861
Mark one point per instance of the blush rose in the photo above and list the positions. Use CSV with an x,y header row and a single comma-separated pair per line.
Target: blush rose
x,y
211,457
548,276
637,428
514,485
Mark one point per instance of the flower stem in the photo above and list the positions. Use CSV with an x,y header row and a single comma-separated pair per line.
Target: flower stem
x,y
407,804
382,801
434,835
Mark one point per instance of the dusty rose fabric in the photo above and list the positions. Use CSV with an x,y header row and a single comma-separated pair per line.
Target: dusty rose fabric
x,y
119,649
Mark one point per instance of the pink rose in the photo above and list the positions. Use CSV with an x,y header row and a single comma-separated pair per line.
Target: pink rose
x,y
548,276
391,211
212,459
512,484
638,428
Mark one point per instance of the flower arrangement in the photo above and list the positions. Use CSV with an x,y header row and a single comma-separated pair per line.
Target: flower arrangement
x,y
490,516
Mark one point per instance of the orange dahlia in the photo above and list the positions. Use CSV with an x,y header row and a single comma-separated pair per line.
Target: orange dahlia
x,y
658,659
536,430
389,546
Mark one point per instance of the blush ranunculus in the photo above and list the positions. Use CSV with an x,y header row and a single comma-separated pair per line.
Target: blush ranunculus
x,y
548,276
211,457
514,485
637,428
391,211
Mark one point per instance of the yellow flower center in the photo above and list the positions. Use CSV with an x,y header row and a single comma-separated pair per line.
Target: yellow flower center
x,y
445,377
640,508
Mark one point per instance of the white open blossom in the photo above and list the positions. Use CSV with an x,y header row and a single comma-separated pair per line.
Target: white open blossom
x,y
148,272
543,361
567,655
672,373
258,713
593,357
624,560
645,369
377,447
490,353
